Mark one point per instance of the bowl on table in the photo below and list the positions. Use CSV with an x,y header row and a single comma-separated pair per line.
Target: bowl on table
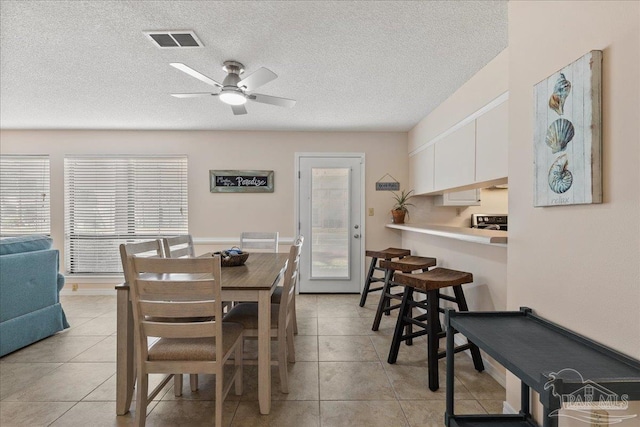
x,y
232,257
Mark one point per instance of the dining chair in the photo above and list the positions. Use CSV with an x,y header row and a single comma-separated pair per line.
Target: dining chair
x,y
179,246
246,314
152,248
263,241
277,295
188,289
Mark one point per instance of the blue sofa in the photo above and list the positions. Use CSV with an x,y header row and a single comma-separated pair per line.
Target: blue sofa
x,y
30,287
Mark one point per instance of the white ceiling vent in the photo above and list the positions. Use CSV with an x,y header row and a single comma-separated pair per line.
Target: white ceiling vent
x,y
167,39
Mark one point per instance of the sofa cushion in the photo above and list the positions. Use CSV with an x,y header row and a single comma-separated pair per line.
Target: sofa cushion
x,y
15,245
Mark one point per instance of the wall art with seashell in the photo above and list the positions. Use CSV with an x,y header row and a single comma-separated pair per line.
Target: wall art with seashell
x,y
567,134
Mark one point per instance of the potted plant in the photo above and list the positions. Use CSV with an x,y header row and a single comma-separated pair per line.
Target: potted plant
x,y
399,210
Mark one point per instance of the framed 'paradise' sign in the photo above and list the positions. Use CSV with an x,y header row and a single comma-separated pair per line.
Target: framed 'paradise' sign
x,y
567,141
241,181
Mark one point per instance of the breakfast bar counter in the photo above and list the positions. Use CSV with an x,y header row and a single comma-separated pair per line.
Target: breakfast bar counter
x,y
474,235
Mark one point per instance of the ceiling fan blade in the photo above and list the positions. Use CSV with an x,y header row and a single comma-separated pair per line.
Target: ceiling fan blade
x,y
193,95
193,73
239,110
258,78
273,100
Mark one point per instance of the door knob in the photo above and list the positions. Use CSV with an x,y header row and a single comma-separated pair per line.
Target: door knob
x,y
357,236
356,226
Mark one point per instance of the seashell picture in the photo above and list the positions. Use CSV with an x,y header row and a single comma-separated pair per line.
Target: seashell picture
x,y
567,134
560,92
559,134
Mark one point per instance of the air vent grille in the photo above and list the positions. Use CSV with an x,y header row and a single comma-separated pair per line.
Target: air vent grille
x,y
172,39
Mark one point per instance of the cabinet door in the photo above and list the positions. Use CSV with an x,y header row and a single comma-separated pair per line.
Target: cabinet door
x,y
459,198
421,170
455,158
492,132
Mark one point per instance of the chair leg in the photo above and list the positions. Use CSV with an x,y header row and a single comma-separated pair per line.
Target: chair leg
x,y
294,316
282,361
397,334
219,397
432,339
193,379
367,283
462,306
291,349
383,300
239,366
142,399
177,385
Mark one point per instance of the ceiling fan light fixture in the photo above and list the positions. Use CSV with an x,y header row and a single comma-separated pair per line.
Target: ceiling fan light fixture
x,y
232,97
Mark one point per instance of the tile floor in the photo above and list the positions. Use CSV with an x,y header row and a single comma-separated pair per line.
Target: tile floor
x,y
341,377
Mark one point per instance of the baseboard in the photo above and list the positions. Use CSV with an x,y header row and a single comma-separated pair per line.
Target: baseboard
x,y
508,409
490,368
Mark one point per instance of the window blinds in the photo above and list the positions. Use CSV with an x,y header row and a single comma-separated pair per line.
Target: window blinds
x,y
24,195
114,200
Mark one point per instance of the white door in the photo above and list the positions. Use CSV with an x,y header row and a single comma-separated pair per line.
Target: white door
x,y
330,202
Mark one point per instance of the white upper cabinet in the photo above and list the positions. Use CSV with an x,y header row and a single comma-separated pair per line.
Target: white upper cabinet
x,y
472,156
455,158
492,144
421,170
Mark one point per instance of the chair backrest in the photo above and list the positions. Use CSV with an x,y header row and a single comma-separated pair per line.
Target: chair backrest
x,y
179,246
151,248
266,241
187,289
290,280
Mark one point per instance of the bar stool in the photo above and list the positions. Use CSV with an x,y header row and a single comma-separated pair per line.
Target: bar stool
x,y
386,254
431,282
405,265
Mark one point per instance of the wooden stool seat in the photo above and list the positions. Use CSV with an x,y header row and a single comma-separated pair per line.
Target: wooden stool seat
x,y
405,265
429,283
434,279
389,253
409,264
385,254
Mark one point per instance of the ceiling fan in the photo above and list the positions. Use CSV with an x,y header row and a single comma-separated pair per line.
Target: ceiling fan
x,y
234,90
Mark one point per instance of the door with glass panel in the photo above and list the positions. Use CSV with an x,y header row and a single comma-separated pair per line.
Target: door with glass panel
x,y
330,219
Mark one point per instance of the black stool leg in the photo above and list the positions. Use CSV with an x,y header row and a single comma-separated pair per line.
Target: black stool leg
x,y
400,323
462,306
384,300
409,313
432,338
367,283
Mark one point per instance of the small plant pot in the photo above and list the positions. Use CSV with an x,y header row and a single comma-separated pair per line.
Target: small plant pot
x,y
398,216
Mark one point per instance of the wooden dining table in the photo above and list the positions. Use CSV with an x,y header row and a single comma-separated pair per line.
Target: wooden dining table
x,y
254,281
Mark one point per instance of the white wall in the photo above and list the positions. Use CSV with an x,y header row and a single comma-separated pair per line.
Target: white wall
x,y
226,215
578,266
487,263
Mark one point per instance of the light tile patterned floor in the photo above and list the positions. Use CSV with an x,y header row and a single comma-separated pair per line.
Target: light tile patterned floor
x,y
341,377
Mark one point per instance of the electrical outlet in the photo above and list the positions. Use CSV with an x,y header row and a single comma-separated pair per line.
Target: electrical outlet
x,y
74,287
370,211
599,418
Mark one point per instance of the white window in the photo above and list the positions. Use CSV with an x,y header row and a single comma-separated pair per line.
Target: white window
x,y
114,200
24,195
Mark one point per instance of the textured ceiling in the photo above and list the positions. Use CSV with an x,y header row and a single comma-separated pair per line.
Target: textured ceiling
x,y
378,66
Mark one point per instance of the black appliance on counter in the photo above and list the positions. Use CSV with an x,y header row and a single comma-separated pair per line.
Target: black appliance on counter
x,y
489,221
